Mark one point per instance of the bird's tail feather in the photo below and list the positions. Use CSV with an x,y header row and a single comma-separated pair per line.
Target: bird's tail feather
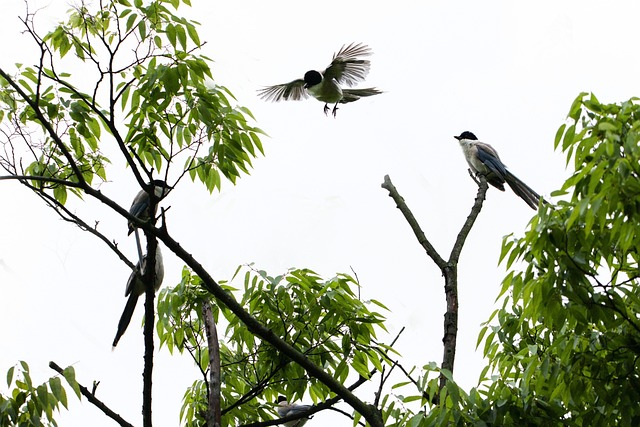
x,y
125,319
350,95
521,189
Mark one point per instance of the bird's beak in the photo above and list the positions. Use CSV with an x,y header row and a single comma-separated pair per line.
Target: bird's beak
x,y
456,137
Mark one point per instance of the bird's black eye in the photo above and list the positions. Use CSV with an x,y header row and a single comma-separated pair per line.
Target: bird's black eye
x,y
312,78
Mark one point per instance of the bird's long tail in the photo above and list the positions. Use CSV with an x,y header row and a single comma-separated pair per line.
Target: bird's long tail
x,y
125,319
350,95
525,192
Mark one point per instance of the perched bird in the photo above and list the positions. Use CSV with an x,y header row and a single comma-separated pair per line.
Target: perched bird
x,y
345,68
140,206
135,288
286,409
484,160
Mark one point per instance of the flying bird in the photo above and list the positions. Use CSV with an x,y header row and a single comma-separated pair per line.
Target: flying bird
x,y
140,206
484,160
346,68
286,409
135,288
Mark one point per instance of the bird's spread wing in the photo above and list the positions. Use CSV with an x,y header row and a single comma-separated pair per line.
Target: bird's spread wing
x,y
288,91
346,68
488,156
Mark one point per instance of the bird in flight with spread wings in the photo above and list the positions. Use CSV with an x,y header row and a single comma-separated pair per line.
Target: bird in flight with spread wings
x,y
346,68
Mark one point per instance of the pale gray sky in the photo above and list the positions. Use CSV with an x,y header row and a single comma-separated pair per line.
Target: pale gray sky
x,y
508,71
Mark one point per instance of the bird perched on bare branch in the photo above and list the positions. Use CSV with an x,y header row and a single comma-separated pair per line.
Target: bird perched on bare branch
x,y
484,160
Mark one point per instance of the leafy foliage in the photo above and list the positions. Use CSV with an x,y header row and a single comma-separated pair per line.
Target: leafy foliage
x,y
30,405
566,342
151,93
324,319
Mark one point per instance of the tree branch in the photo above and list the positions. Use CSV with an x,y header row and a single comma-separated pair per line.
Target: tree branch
x,y
214,417
451,284
149,280
413,223
466,227
92,398
449,268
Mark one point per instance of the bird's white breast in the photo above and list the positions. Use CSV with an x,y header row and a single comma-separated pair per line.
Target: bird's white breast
x,y
470,154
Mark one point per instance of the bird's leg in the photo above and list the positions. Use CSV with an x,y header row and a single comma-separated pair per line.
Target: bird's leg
x,y
326,109
335,110
474,177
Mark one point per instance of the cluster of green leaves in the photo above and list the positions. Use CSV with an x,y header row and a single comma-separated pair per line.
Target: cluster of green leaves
x,y
449,405
455,406
566,345
397,407
29,405
322,318
147,88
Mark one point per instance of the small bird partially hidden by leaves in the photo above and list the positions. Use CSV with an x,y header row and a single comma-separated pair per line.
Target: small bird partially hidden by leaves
x,y
483,159
346,68
285,409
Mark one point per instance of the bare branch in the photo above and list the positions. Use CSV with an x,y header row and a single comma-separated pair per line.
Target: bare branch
x,y
93,399
408,215
466,227
449,268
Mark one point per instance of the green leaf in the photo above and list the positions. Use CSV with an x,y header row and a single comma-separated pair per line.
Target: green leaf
x,y
60,194
170,30
193,34
70,375
10,376
171,80
558,137
131,22
58,391
142,29
182,36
